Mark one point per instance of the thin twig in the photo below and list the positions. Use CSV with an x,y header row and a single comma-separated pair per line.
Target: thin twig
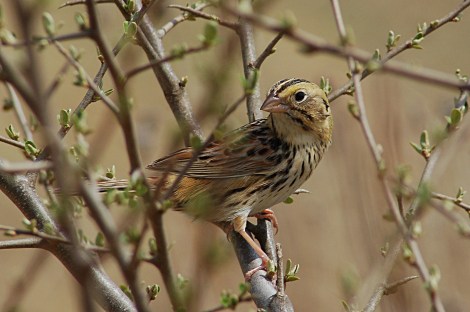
x,y
91,84
11,142
58,78
241,299
210,17
168,58
76,2
19,167
267,51
19,112
280,275
40,40
315,44
411,241
454,200
385,289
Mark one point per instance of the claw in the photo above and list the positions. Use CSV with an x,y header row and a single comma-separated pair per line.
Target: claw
x,y
269,215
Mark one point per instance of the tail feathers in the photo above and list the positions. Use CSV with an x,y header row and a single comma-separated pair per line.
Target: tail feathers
x,y
120,185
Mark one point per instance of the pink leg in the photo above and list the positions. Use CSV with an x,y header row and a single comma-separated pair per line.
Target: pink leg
x,y
239,225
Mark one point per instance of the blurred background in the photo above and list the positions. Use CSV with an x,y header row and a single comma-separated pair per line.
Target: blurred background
x,y
336,232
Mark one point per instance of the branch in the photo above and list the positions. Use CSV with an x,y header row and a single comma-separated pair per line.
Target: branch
x,y
247,43
262,290
199,13
150,40
385,289
11,142
410,239
19,112
454,200
30,242
267,51
108,294
314,44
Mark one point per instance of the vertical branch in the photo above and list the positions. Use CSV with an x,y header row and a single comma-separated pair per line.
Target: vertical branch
x,y
19,112
248,48
419,262
174,91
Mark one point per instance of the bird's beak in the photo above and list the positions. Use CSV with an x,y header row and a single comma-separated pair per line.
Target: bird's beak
x,y
274,105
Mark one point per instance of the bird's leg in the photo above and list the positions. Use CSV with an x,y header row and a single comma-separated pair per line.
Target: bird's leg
x,y
239,225
269,215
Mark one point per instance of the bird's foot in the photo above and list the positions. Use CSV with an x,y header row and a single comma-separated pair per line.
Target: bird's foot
x,y
268,214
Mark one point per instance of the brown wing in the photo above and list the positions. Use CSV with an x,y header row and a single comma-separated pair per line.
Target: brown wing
x,y
243,152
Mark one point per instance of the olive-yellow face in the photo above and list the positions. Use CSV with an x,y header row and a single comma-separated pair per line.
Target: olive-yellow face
x,y
301,104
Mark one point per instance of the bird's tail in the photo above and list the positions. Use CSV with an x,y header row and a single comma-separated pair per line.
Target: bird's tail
x,y
120,185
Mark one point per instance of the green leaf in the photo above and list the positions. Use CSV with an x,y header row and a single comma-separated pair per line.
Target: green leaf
x,y
127,291
346,306
460,76
249,83
152,243
288,20
7,104
152,291
82,21
179,50
376,56
456,116
130,6
424,139
209,36
181,282
7,37
80,122
80,78
31,149
417,229
99,240
75,53
243,288
422,27
131,30
415,42
291,271
408,255
461,192
195,142
353,109
392,40
325,85
288,200
111,172
12,133
48,23
64,118
434,278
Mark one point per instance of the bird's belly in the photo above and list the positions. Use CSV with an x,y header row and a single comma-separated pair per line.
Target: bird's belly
x,y
268,199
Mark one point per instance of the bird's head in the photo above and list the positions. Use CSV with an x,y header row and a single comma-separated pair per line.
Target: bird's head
x,y
299,108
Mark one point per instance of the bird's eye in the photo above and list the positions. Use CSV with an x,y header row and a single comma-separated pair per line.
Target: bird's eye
x,y
300,96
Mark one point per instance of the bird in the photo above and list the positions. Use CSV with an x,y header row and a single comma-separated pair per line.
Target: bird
x,y
250,169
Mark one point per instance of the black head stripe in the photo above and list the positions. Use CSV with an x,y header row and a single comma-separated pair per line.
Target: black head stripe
x,y
285,83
